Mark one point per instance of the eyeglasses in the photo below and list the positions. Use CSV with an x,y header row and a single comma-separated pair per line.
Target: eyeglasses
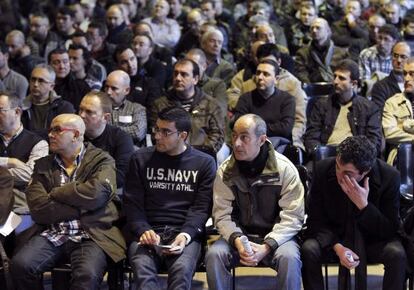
x,y
402,56
3,110
163,132
39,80
59,130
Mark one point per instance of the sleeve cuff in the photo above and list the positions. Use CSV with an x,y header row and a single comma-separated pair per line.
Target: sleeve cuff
x,y
271,243
234,236
4,161
187,237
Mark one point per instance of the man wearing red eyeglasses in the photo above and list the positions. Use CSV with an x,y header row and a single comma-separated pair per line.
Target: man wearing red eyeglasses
x,y
70,197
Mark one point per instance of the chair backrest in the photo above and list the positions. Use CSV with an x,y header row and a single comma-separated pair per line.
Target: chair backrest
x,y
324,151
315,90
405,166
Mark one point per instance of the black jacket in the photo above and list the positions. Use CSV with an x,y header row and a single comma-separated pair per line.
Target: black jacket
x,y
384,89
364,119
328,205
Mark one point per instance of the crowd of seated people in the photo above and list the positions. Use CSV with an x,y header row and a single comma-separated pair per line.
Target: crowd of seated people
x,y
219,87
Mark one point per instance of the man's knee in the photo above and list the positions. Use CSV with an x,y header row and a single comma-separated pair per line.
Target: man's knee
x,y
311,250
219,251
394,253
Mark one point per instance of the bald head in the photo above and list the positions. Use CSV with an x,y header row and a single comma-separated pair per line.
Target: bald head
x,y
264,32
320,30
15,41
71,121
199,57
117,86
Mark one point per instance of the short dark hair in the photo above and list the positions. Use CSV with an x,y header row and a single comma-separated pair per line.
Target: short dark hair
x,y
85,54
100,25
14,100
359,151
59,50
390,30
268,49
196,69
65,10
272,63
120,48
106,101
408,19
351,66
4,48
179,116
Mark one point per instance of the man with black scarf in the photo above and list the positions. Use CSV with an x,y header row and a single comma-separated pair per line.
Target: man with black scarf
x,y
257,193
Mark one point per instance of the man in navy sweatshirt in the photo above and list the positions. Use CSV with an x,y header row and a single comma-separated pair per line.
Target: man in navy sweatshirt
x,y
167,201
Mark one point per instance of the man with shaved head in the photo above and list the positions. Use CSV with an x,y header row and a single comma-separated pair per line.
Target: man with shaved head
x,y
314,62
166,30
70,197
118,31
130,117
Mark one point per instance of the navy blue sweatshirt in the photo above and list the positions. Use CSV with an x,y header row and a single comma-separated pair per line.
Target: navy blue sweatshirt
x,y
169,190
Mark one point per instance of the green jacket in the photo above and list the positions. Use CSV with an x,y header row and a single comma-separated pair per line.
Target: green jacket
x,y
90,198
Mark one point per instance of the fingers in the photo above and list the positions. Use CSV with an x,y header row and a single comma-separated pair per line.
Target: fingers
x,y
149,238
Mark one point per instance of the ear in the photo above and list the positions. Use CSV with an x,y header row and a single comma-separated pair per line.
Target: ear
x,y
196,79
262,139
184,135
127,90
107,117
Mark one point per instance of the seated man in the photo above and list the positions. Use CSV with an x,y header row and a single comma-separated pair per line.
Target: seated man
x,y
394,82
19,148
166,30
217,67
130,117
243,82
207,126
257,193
362,225
397,116
70,198
343,113
67,85
276,107
377,58
315,62
43,104
143,89
167,203
95,110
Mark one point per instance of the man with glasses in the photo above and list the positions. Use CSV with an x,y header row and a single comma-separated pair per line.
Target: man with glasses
x,y
95,110
19,148
394,82
397,117
70,197
167,203
43,104
377,58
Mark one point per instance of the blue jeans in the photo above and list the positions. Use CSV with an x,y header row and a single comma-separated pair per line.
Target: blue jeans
x,y
285,260
87,259
146,263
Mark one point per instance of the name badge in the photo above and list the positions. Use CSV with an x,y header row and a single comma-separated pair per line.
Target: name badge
x,y
125,119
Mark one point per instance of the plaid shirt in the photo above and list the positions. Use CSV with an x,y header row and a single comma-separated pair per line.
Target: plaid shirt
x,y
370,61
131,118
72,230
